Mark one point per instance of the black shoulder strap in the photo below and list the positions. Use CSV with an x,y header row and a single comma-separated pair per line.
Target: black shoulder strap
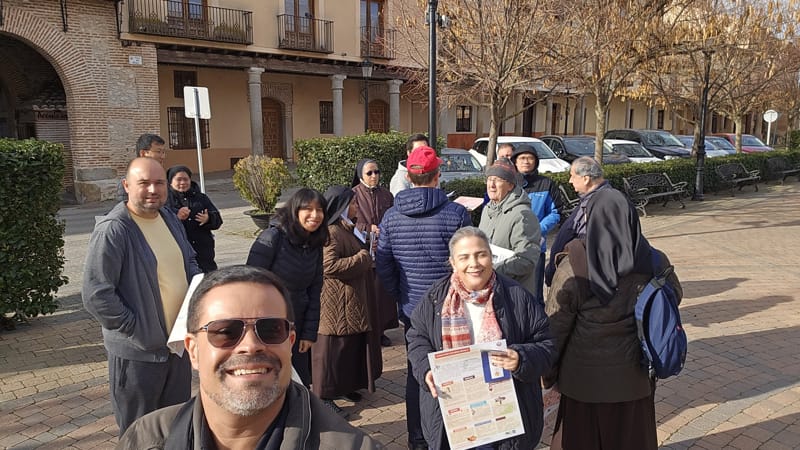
x,y
181,431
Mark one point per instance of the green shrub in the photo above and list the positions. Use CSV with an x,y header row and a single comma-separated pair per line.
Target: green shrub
x,y
794,140
31,236
323,162
259,180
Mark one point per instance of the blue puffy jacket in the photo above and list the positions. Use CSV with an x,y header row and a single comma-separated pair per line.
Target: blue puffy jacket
x,y
413,243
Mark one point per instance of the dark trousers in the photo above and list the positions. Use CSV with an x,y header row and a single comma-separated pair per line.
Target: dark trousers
x,y
302,363
539,294
138,387
413,420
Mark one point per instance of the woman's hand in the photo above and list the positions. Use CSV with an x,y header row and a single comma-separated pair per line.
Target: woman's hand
x,y
508,361
375,229
431,384
202,217
304,346
183,213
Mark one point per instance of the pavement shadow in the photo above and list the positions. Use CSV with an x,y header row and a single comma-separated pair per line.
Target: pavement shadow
x,y
749,436
722,311
732,372
703,288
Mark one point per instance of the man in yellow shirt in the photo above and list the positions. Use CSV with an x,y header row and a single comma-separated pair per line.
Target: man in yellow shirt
x,y
137,273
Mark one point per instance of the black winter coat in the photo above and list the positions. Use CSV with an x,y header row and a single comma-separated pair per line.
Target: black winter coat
x,y
300,268
525,328
200,236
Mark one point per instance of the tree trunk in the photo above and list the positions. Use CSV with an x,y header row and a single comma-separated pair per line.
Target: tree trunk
x,y
738,122
600,108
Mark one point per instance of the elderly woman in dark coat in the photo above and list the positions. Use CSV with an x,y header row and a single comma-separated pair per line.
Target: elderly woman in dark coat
x,y
198,215
370,204
339,357
607,395
292,249
492,307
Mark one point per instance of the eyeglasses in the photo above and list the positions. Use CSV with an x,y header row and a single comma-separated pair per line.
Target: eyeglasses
x,y
372,172
227,333
157,152
526,158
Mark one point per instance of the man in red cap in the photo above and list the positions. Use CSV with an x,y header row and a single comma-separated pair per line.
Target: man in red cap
x,y
413,253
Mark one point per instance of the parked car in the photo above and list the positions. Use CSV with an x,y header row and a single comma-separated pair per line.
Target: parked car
x,y
548,161
722,144
458,164
750,143
711,149
660,143
633,150
570,148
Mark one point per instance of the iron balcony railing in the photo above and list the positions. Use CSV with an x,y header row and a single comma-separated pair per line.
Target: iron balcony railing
x,y
305,33
377,42
189,20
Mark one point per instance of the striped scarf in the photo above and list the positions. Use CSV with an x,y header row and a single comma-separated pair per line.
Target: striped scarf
x,y
456,326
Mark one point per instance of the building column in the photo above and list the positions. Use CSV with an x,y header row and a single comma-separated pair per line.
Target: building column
x,y
394,104
577,116
548,115
628,112
288,131
518,104
256,119
337,86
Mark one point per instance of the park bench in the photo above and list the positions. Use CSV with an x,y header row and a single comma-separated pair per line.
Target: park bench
x,y
568,204
736,175
780,166
645,187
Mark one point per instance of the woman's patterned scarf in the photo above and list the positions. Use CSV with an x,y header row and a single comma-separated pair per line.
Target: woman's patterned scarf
x,y
455,325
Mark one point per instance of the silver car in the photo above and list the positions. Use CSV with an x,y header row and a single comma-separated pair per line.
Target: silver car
x,y
458,164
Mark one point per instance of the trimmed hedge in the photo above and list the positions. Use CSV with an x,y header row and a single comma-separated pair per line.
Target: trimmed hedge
x,y
677,169
324,162
31,236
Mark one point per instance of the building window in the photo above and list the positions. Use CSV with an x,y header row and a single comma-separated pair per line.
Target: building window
x,y
181,130
183,78
325,117
463,118
660,119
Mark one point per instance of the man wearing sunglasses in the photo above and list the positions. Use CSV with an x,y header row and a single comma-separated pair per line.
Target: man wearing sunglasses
x,y
240,342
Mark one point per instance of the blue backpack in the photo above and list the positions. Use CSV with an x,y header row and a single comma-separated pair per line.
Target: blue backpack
x,y
658,322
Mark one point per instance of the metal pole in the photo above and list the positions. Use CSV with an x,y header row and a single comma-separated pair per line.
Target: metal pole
x,y
197,139
701,145
566,114
433,20
366,105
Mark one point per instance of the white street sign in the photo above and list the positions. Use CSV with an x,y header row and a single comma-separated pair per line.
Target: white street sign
x,y
770,116
196,106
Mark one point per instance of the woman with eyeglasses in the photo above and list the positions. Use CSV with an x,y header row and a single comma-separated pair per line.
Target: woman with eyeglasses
x,y
371,202
339,356
292,249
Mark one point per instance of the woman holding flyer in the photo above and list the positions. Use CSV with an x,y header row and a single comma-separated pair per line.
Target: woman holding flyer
x,y
476,305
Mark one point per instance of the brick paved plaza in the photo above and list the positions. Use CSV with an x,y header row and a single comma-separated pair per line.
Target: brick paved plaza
x,y
737,259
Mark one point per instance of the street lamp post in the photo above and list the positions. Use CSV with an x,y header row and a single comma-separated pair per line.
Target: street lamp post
x,y
701,144
566,114
366,72
433,20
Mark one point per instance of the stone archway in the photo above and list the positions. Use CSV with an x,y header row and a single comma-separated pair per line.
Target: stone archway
x,y
280,93
272,120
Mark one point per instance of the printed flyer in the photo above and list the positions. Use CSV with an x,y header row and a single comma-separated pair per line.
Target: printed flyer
x,y
478,401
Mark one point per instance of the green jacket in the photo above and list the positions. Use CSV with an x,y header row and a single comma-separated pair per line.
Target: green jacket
x,y
511,224
310,425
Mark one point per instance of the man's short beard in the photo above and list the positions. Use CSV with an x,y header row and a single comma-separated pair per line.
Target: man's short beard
x,y
253,399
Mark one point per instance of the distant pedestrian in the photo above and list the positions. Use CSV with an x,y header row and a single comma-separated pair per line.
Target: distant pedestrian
x,y
197,213
340,356
413,252
371,202
292,249
607,395
137,272
400,180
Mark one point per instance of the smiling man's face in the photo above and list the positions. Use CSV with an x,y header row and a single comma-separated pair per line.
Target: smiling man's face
x,y
250,377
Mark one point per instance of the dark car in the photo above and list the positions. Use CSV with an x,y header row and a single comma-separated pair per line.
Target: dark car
x,y
660,143
750,143
570,148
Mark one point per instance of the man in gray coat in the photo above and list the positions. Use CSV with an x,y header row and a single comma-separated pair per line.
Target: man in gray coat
x,y
241,331
137,273
509,223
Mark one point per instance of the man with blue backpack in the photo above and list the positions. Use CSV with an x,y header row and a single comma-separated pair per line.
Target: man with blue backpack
x,y
604,268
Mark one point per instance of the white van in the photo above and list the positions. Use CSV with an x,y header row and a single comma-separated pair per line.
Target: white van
x,y
548,161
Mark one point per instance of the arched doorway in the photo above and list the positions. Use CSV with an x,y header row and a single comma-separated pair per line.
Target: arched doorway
x,y
378,116
33,103
272,121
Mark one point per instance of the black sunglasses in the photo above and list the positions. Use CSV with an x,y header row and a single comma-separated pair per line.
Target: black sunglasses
x,y
371,172
227,333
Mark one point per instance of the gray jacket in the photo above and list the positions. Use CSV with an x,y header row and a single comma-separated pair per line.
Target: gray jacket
x,y
309,426
120,285
512,225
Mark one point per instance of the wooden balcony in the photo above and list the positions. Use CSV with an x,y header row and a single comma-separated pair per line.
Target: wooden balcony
x,y
377,42
305,33
190,21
